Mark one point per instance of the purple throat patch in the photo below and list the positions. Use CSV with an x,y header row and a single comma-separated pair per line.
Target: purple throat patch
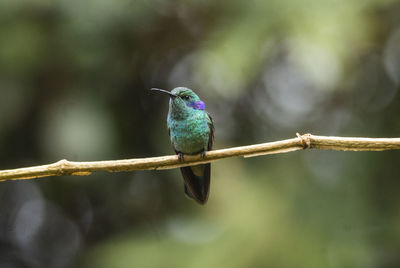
x,y
198,105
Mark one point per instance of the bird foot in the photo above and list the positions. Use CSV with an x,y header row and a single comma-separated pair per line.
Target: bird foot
x,y
180,157
203,154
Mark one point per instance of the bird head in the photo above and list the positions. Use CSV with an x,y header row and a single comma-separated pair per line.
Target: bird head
x,y
182,100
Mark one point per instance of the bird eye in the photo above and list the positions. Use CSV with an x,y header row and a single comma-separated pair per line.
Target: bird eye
x,y
185,97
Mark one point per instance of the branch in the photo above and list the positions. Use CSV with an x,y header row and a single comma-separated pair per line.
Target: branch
x,y
307,141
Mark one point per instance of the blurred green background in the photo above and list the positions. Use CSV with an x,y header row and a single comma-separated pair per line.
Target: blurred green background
x,y
74,80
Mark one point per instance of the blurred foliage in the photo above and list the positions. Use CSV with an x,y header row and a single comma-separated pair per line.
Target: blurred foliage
x,y
74,80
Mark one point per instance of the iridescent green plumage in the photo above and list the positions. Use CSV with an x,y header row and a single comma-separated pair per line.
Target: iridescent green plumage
x,y
191,131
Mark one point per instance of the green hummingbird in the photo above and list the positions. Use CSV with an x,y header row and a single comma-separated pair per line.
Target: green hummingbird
x,y
191,131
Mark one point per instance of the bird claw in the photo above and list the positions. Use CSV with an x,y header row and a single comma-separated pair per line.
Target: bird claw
x,y
181,157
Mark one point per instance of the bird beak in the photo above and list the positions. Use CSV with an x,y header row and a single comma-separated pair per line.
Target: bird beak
x,y
164,91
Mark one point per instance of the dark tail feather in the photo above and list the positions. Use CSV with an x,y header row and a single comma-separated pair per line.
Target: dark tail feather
x,y
197,182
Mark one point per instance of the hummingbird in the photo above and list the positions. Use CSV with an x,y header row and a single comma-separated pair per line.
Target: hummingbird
x,y
191,131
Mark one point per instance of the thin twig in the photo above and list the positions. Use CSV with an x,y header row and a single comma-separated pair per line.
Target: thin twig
x,y
307,141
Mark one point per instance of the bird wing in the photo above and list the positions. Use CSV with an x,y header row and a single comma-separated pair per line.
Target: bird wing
x,y
210,123
172,144
197,187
